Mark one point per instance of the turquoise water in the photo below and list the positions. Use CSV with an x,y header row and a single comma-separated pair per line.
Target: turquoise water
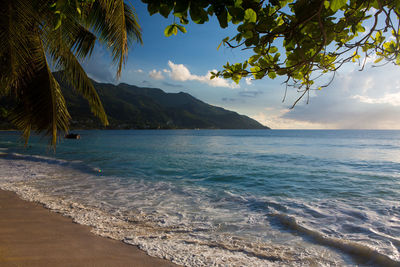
x,y
224,197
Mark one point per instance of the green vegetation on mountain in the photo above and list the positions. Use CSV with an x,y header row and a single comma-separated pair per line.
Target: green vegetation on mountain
x,y
132,107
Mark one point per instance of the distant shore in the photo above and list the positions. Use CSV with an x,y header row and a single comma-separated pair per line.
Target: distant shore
x,y
31,235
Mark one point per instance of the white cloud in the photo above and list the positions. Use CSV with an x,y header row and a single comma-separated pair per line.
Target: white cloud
x,y
390,99
156,75
179,72
248,80
356,100
275,120
139,70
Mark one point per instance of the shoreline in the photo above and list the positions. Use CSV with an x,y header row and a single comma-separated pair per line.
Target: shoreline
x,y
32,235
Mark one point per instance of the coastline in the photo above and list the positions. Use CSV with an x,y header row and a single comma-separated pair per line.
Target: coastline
x,y
31,235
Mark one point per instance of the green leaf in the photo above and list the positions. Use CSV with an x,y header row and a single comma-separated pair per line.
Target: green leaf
x,y
375,4
360,28
184,20
250,15
171,29
236,78
378,60
153,7
248,34
197,14
238,3
272,75
165,10
223,41
279,21
337,4
256,72
181,28
181,8
223,19
253,59
237,14
273,49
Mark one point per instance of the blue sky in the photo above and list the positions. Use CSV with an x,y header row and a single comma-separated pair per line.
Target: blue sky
x,y
355,100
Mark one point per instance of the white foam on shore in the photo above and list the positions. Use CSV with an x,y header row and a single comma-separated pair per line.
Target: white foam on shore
x,y
181,227
167,237
181,247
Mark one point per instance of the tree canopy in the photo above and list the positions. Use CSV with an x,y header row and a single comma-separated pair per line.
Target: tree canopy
x,y
301,40
37,34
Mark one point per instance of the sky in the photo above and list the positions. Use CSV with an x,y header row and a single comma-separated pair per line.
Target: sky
x,y
368,99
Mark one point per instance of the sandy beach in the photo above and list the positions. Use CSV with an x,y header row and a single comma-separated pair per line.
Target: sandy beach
x,y
31,235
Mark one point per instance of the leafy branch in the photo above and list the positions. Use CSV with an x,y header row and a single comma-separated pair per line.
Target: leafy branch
x,y
303,41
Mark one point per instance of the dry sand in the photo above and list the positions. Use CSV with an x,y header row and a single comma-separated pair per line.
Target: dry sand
x,y
31,235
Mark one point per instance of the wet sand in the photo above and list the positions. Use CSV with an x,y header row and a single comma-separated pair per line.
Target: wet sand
x,y
31,235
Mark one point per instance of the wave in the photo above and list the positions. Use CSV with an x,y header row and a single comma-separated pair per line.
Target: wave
x,y
179,237
182,241
76,164
188,247
362,253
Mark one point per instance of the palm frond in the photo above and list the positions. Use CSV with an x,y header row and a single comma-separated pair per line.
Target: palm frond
x,y
132,26
75,75
28,34
16,24
41,106
83,42
116,24
58,46
78,38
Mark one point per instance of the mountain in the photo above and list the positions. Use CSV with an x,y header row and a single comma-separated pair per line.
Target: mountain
x,y
132,107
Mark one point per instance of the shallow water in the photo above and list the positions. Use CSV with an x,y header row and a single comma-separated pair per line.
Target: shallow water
x,y
224,197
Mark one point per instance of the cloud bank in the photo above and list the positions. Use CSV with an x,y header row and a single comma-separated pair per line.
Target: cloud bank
x,y
156,75
179,72
356,100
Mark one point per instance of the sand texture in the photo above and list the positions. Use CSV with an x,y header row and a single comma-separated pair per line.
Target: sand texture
x,y
31,235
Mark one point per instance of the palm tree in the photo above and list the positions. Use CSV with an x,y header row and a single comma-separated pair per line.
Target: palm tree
x,y
35,33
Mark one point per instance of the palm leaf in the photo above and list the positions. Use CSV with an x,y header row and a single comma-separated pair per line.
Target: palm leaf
x,y
28,34
79,39
16,23
75,36
59,45
41,105
116,24
73,73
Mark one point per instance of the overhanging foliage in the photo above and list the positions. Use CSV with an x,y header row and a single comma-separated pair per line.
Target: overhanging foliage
x,y
301,40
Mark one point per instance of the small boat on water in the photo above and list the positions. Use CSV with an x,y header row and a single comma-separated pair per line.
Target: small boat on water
x,y
72,136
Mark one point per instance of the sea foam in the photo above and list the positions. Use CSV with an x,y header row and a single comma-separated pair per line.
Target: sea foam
x,y
184,243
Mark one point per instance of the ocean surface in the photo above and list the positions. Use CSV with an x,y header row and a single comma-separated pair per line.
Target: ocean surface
x,y
223,197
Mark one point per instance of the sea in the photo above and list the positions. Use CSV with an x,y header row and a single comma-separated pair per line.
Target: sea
x,y
223,197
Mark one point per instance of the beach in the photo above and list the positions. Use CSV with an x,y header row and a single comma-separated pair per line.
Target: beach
x,y
31,235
